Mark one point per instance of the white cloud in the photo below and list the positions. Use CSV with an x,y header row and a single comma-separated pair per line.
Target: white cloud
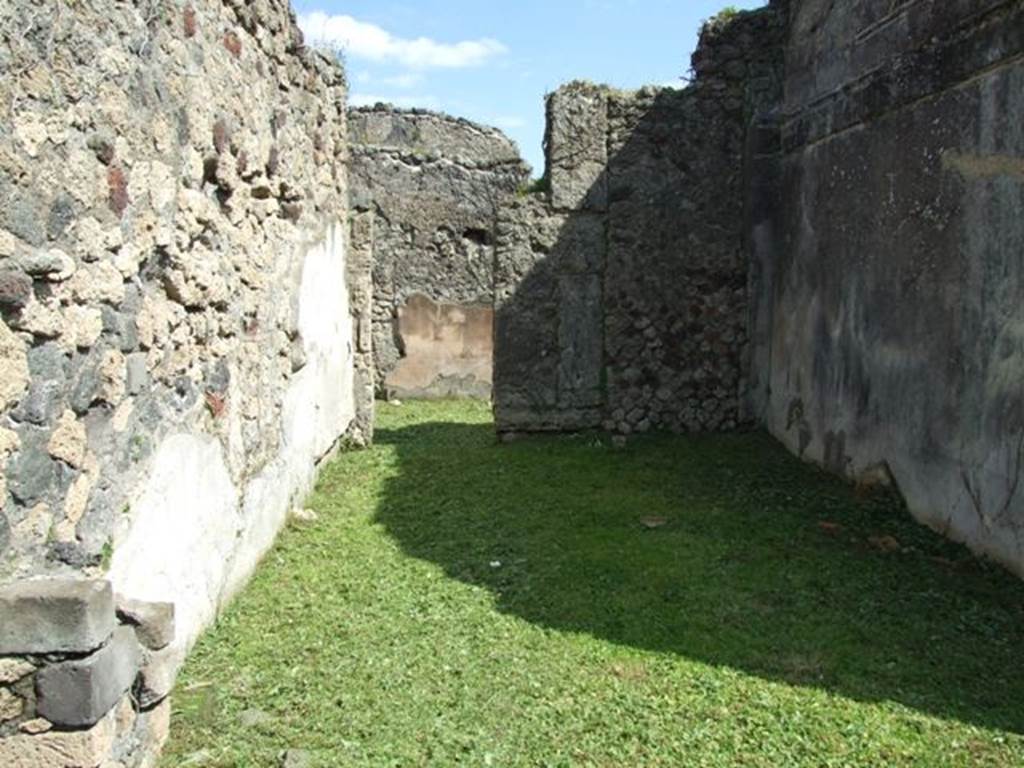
x,y
363,40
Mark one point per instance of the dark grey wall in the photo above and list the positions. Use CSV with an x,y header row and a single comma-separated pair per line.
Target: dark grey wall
x,y
622,294
432,184
892,331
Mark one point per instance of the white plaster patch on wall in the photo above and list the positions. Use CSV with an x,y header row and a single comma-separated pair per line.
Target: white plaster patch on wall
x,y
318,406
322,395
183,531
195,537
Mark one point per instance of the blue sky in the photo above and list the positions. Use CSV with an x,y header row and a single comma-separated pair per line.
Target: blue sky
x,y
493,62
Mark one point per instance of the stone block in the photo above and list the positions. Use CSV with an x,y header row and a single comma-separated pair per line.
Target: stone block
x,y
59,749
153,727
577,148
14,373
41,403
153,622
50,264
31,475
55,616
157,676
35,726
12,670
79,693
11,705
137,373
125,716
580,342
68,441
15,289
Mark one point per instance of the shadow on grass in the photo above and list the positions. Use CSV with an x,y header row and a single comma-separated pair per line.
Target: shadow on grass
x,y
762,564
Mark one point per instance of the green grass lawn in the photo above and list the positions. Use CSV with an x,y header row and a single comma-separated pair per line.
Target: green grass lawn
x,y
461,602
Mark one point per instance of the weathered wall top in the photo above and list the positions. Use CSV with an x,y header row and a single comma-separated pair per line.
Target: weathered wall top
x,y
431,136
851,62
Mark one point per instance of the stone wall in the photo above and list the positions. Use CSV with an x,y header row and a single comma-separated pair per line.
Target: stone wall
x,y
84,677
622,295
188,321
430,187
893,272
548,341
841,262
183,334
